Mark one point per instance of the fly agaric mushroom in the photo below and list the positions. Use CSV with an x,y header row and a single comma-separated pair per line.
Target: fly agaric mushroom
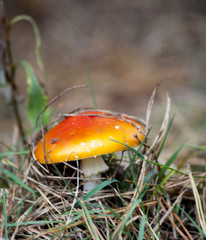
x,y
86,136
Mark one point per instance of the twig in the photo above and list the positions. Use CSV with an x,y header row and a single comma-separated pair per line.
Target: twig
x,y
48,105
169,211
76,195
178,219
173,223
10,69
197,200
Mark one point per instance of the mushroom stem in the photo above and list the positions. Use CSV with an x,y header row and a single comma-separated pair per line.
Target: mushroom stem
x,y
92,168
93,181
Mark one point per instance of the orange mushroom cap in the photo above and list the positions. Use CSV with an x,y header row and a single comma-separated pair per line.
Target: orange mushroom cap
x,y
88,134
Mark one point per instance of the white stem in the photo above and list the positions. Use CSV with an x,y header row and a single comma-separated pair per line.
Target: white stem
x,y
91,167
94,180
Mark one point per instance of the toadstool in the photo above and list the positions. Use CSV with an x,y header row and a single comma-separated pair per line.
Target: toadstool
x,y
86,136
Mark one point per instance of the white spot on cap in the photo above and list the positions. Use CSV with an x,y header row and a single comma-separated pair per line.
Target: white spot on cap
x,y
83,143
76,157
111,137
92,143
88,150
100,144
116,127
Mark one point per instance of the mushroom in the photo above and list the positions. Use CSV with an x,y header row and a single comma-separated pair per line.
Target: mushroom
x,y
86,136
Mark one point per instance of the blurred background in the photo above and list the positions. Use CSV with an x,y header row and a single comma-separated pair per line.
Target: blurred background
x,y
128,47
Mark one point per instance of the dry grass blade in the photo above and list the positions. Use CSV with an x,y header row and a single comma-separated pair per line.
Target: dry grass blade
x,y
137,190
178,219
124,220
9,204
49,203
37,171
80,222
149,226
91,226
116,211
20,219
106,220
139,186
75,196
201,216
149,107
173,223
3,218
168,212
163,128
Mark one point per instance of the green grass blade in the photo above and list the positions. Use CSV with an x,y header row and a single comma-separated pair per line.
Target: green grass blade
x,y
19,210
5,215
142,227
17,180
196,146
36,32
37,100
137,154
9,153
165,137
170,161
62,228
149,176
90,222
158,188
194,223
131,168
149,161
32,223
120,196
125,220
